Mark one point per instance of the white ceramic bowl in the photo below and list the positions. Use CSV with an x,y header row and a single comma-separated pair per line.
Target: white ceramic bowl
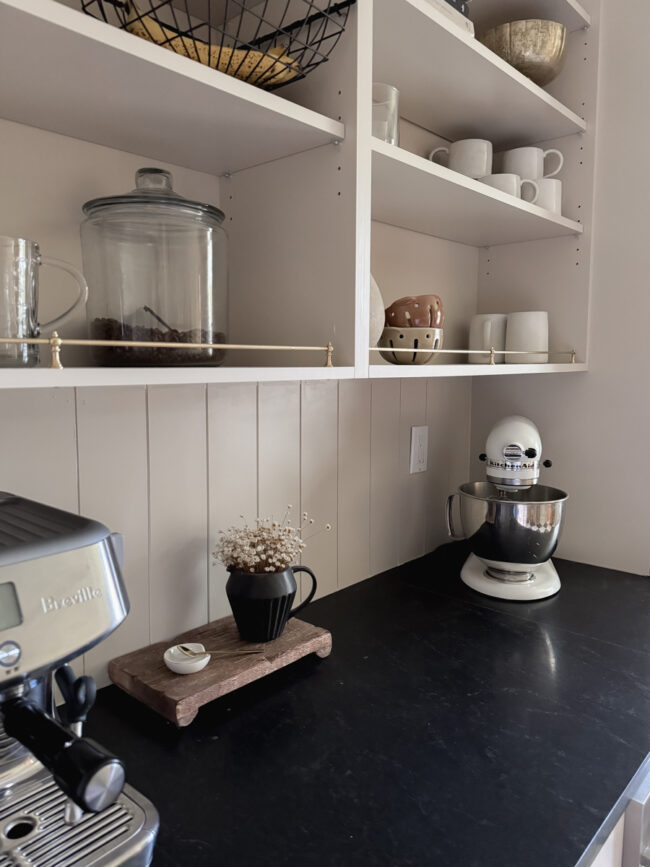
x,y
180,663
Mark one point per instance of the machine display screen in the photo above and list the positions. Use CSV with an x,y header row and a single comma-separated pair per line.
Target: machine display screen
x,y
10,614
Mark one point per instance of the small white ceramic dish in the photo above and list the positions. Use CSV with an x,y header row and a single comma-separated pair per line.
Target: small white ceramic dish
x,y
181,663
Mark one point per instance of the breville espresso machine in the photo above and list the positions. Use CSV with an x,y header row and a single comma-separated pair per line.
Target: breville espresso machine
x,y
63,801
511,522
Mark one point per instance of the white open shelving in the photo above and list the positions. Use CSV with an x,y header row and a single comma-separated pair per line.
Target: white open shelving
x,y
489,13
66,72
414,193
453,85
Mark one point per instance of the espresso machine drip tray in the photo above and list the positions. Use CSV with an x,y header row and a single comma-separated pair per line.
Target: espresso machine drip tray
x,y
33,832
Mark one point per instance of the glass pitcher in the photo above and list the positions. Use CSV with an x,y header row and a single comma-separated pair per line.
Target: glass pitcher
x,y
20,260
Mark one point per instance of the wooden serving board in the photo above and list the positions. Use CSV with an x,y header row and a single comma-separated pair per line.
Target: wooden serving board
x,y
178,697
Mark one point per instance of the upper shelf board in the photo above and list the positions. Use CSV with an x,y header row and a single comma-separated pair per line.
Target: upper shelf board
x,y
414,193
489,13
453,85
97,377
404,371
66,72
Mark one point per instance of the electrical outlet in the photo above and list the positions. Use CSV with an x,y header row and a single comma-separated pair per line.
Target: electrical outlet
x,y
419,448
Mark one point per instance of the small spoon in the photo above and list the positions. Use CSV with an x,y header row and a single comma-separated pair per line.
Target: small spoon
x,y
189,652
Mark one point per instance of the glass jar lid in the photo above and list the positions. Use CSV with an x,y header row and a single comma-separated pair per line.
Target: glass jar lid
x,y
155,187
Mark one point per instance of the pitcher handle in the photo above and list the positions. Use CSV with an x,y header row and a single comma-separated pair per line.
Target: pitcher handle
x,y
82,297
306,569
451,530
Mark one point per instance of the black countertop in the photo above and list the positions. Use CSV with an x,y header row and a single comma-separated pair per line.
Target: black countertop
x,y
446,728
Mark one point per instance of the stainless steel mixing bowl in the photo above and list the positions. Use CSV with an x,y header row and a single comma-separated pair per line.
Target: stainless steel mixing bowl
x,y
513,531
534,47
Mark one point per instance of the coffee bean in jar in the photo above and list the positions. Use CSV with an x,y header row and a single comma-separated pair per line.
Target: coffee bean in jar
x,y
153,356
156,266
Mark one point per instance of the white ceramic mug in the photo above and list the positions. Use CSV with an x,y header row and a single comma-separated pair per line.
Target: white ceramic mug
x,y
550,194
513,185
487,331
529,162
527,332
470,156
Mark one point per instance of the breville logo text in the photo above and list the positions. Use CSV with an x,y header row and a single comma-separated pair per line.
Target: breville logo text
x,y
86,594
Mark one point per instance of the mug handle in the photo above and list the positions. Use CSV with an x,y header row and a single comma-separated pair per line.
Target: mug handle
x,y
82,297
435,151
306,569
451,530
561,163
535,190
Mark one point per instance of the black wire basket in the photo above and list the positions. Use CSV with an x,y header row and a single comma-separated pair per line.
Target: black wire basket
x,y
268,43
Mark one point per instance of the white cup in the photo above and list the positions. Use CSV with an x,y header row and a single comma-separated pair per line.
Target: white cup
x,y
529,162
487,331
470,156
513,185
385,112
550,194
527,332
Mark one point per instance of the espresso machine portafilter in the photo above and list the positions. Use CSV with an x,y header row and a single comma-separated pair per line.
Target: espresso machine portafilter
x,y
63,798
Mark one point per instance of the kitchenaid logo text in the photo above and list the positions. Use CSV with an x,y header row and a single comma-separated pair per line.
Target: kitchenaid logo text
x,y
86,594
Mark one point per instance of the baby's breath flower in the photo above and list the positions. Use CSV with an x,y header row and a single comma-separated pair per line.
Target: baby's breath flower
x,y
268,546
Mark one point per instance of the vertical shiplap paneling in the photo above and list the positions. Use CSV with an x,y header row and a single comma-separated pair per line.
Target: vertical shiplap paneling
x,y
113,488
441,442
319,481
38,450
449,420
232,473
384,475
279,451
178,567
458,428
412,488
354,481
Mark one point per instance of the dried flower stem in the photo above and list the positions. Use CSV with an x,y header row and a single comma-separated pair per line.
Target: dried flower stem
x,y
268,546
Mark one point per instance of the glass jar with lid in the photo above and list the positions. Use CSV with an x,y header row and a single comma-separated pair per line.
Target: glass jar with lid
x,y
156,265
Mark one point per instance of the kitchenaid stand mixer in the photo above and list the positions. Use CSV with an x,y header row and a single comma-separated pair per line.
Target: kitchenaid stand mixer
x,y
511,522
63,802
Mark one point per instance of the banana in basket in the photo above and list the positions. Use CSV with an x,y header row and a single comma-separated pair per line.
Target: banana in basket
x,y
268,68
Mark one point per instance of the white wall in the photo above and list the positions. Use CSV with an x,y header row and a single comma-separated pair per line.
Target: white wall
x,y
595,425
169,466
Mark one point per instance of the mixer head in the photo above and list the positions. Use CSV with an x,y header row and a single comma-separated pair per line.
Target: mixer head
x,y
513,451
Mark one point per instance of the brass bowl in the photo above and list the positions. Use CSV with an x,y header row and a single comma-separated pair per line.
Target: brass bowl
x,y
534,47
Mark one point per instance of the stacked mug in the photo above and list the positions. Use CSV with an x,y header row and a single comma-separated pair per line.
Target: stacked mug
x,y
515,332
523,173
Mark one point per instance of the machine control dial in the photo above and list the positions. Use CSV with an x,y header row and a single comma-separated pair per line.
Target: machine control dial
x,y
10,653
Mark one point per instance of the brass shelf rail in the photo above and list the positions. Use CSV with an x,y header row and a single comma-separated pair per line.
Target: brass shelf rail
x,y
56,343
492,352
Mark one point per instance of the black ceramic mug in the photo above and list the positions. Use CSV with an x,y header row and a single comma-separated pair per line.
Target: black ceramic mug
x,y
261,601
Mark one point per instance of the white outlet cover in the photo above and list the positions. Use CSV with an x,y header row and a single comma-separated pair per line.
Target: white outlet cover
x,y
419,448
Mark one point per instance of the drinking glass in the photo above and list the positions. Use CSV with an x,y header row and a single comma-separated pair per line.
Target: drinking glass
x,y
20,260
385,113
